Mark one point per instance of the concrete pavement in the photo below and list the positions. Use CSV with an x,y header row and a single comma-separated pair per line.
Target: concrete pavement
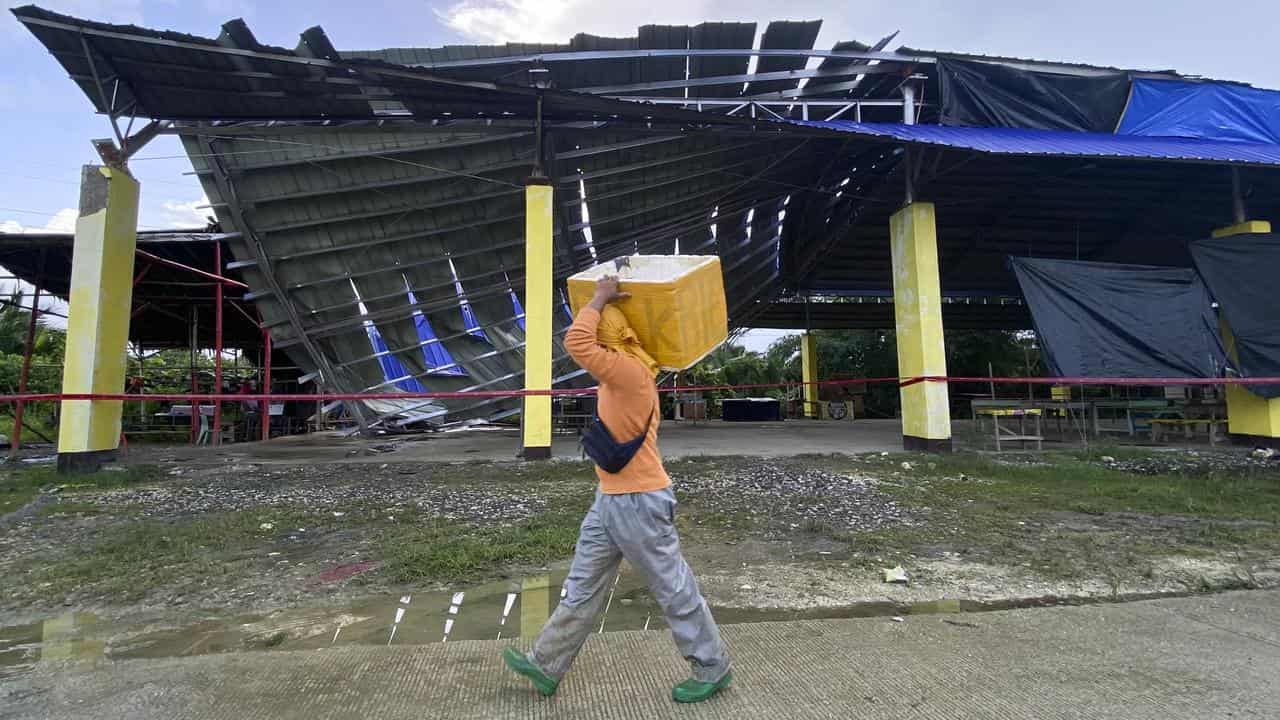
x,y
1203,657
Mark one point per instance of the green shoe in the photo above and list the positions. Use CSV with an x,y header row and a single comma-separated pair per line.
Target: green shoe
x,y
520,664
692,690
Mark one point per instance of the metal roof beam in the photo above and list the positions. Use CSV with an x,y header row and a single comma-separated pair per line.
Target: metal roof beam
x,y
674,180
846,71
747,100
590,55
624,169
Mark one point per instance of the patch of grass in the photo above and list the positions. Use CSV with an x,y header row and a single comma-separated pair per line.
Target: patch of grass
x,y
70,507
133,558
439,551
1065,483
1009,511
19,484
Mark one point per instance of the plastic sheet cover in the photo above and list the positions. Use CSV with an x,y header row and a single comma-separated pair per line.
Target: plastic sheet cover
x,y
1108,320
1241,273
985,95
1207,110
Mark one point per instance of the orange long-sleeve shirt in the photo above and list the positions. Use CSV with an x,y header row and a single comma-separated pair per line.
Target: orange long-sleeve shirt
x,y
626,402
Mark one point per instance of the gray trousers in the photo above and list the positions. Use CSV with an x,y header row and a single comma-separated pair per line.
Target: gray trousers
x,y
641,528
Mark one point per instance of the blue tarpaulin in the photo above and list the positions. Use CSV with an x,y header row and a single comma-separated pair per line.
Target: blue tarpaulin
x,y
392,369
473,325
1204,110
515,304
435,353
1062,143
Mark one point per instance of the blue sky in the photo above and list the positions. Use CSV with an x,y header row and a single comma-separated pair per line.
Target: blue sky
x,y
48,122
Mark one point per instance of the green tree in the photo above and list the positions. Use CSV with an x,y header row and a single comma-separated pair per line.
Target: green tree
x,y
859,354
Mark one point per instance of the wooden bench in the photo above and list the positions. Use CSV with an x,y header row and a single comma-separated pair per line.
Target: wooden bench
x,y
1188,425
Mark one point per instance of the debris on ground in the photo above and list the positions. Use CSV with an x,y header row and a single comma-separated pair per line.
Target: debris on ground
x,y
895,575
1263,453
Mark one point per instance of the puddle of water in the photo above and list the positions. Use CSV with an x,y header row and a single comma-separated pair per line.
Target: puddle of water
x,y
506,609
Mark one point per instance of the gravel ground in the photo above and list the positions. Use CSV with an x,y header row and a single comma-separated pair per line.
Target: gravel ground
x,y
1192,462
788,495
338,488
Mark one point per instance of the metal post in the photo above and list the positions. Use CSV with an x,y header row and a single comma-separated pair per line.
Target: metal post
x,y
1238,213
909,118
217,344
266,384
16,442
908,104
195,387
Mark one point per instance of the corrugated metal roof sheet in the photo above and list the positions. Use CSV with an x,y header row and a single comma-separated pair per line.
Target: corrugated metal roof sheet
x,y
1061,143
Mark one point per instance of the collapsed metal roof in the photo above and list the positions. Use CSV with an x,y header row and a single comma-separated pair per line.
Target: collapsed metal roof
x,y
376,195
170,301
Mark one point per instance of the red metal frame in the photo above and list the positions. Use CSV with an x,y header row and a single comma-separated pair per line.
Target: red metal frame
x,y
266,384
217,344
218,277
16,442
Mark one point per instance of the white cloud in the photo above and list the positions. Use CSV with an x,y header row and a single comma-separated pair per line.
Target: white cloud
x,y
500,21
63,221
185,215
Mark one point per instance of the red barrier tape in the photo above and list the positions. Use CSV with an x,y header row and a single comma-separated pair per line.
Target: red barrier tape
x,y
578,392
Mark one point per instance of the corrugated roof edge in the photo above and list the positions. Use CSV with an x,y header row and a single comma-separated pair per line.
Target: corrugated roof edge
x,y
1035,61
38,13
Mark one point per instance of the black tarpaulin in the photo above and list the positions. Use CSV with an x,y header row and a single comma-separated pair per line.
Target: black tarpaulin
x,y
981,94
1108,320
1241,272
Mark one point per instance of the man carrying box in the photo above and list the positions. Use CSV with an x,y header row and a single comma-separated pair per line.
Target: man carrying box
x,y
633,516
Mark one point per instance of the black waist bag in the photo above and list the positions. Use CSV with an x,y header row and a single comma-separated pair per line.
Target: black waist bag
x,y
611,455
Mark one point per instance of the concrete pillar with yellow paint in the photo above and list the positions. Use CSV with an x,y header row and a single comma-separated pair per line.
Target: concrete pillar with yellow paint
x,y
917,306
1249,415
98,317
809,373
538,309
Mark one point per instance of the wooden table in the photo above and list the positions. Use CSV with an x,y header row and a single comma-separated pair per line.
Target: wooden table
x,y
1004,434
1130,407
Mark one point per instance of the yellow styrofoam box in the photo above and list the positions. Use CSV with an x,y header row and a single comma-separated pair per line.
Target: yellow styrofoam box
x,y
677,304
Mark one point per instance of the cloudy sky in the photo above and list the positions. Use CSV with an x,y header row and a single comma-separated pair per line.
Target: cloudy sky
x,y
48,122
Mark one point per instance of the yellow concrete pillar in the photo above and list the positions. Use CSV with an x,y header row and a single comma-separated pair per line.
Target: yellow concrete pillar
x,y
98,319
1248,414
917,306
538,309
809,373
